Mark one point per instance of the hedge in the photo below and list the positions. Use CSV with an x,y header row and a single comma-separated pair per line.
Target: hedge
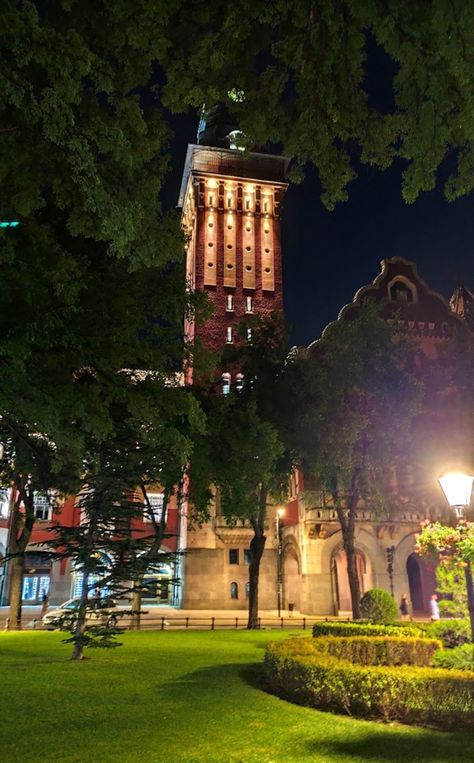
x,y
380,650
296,670
363,629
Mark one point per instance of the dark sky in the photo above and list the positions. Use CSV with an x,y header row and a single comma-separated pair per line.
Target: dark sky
x,y
327,256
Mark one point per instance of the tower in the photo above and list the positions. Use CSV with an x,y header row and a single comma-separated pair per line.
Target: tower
x,y
231,205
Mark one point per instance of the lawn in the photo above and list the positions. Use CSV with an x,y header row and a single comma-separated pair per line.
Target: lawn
x,y
187,696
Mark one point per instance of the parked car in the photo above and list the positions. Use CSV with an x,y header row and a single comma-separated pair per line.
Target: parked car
x,y
101,612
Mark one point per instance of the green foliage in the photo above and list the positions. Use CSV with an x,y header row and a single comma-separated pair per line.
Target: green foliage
x,y
378,607
452,633
459,658
379,650
363,629
451,582
303,70
447,542
296,670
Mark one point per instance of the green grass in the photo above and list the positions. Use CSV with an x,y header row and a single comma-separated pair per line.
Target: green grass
x,y
188,696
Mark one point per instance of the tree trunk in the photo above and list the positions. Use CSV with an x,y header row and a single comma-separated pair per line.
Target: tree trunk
x,y
353,576
257,546
80,627
470,596
16,569
136,605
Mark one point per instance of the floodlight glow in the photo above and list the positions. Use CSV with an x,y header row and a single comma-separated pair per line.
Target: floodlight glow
x,y
9,224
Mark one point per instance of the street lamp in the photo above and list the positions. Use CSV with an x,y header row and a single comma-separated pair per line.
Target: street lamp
x,y
280,512
457,488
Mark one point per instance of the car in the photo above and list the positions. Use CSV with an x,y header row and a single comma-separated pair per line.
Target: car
x,y
101,612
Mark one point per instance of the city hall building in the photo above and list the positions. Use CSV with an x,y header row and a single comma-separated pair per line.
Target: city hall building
x,y
232,206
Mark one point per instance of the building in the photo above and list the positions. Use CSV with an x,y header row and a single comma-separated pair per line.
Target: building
x,y
231,206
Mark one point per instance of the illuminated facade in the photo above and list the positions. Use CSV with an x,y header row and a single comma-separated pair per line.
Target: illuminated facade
x,y
231,205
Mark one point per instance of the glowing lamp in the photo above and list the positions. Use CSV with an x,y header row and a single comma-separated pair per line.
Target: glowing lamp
x,y
457,488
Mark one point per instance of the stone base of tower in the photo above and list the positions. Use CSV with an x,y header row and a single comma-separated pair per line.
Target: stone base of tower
x,y
212,582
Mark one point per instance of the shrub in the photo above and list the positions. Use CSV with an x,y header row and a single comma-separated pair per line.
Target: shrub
x,y
380,650
364,629
451,632
378,607
298,671
459,658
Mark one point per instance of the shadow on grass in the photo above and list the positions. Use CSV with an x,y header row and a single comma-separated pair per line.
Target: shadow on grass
x,y
391,746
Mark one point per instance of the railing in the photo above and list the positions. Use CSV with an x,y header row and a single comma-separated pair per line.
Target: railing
x,y
230,623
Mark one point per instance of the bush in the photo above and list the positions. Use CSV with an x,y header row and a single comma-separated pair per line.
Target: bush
x,y
459,658
364,629
298,671
451,632
380,650
378,607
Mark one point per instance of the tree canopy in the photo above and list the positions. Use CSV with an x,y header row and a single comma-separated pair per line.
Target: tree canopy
x,y
303,70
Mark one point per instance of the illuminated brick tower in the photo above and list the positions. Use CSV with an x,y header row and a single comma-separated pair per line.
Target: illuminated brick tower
x,y
231,205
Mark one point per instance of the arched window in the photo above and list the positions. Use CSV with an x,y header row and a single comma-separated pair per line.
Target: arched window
x,y
402,290
234,591
247,590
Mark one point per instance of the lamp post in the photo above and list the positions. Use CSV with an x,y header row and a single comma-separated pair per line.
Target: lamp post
x,y
279,514
457,488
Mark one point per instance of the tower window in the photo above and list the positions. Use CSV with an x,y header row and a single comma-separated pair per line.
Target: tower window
x,y
247,203
247,556
249,335
225,382
239,382
233,555
228,335
230,303
248,305
234,591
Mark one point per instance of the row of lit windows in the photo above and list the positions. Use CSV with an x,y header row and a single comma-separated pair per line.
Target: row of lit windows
x,y
229,335
234,590
234,556
226,380
230,304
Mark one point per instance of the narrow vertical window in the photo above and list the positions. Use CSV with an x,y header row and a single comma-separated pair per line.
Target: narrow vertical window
x,y
233,555
249,335
248,305
234,591
225,382
230,303
239,382
228,335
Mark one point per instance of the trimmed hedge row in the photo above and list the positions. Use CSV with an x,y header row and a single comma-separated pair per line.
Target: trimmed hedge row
x,y
379,650
299,672
363,629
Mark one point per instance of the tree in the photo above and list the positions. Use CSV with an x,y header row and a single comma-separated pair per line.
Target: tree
x,y
148,447
242,452
91,279
453,546
353,404
302,74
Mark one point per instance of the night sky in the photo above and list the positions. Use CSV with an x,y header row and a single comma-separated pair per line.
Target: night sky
x,y
327,256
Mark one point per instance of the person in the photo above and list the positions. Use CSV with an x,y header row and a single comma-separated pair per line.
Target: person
x,y
44,604
404,607
434,608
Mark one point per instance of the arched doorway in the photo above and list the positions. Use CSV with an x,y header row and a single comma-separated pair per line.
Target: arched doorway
x,y
291,581
421,582
342,592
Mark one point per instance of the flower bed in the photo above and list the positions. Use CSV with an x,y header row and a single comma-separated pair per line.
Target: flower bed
x,y
298,670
